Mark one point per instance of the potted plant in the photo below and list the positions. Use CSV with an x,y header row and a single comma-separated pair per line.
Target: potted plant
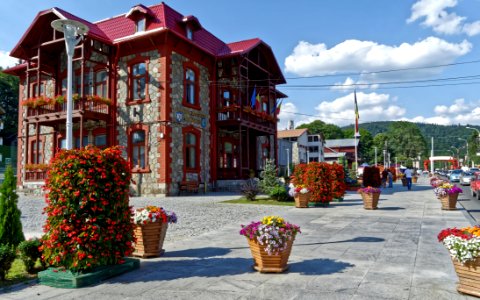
x,y
370,196
270,242
464,248
301,194
150,230
448,195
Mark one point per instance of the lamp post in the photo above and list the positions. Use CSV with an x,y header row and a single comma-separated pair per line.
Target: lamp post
x,y
384,157
466,153
478,131
375,156
71,30
288,162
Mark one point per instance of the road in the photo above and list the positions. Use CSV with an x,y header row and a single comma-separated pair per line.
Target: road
x,y
470,204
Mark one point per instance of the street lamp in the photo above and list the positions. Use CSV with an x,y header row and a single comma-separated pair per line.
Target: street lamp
x,y
478,131
71,30
466,153
384,157
288,162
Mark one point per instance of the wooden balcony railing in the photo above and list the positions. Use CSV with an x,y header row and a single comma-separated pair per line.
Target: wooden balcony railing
x,y
234,113
35,175
79,105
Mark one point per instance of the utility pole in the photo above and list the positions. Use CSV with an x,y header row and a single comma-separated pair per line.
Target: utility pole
x,y
431,159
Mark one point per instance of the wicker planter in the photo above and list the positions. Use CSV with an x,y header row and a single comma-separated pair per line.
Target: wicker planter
x,y
404,181
449,202
370,200
468,276
264,263
150,239
414,179
301,200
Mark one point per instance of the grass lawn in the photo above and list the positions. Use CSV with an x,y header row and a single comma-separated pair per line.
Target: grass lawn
x,y
17,273
261,201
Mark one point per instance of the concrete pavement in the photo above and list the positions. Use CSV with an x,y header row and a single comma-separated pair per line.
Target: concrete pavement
x,y
344,252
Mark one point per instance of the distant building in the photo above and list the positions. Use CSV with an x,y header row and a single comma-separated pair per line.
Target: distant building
x,y
335,149
284,156
316,144
299,139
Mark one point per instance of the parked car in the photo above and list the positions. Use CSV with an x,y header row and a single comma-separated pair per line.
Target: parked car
x,y
473,170
466,178
475,186
455,175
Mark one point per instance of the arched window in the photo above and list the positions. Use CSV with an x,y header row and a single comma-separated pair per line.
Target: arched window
x,y
138,149
190,151
190,87
138,80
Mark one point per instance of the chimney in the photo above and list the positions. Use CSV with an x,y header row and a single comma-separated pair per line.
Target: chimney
x,y
290,125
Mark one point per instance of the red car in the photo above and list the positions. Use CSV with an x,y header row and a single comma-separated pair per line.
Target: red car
x,y
475,186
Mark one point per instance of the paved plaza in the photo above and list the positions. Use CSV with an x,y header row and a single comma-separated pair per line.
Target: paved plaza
x,y
344,252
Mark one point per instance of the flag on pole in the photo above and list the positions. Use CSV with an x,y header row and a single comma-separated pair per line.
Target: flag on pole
x,y
253,99
277,112
258,105
357,116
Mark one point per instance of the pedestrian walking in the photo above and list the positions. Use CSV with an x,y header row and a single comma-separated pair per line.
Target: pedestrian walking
x,y
384,177
390,179
408,176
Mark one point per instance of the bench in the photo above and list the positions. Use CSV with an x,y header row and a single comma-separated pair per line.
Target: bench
x,y
190,186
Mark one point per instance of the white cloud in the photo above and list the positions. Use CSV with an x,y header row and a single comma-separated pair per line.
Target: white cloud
x,y
367,56
459,112
349,85
6,61
288,112
436,16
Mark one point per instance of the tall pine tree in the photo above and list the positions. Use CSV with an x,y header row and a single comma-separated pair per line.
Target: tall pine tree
x,y
10,224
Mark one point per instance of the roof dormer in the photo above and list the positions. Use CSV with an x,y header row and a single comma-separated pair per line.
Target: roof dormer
x,y
191,25
140,14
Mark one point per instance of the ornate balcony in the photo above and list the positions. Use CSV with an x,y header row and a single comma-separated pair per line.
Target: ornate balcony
x,y
234,114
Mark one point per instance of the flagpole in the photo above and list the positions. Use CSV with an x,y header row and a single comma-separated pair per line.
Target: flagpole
x,y
356,134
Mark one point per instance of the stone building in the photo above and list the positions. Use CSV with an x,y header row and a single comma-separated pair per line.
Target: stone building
x,y
186,106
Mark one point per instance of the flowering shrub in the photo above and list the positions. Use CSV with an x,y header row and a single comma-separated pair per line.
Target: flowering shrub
x,y
151,214
88,215
369,190
446,189
337,177
298,174
463,244
318,178
271,232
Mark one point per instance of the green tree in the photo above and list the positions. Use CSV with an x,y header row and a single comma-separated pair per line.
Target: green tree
x,y
329,131
10,225
9,101
405,140
268,177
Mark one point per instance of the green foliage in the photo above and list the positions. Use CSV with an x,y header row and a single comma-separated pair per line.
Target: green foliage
x,y
7,256
10,224
268,177
279,193
30,253
329,131
9,101
250,189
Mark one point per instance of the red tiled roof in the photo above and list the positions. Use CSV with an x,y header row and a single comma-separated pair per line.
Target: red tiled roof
x,y
161,16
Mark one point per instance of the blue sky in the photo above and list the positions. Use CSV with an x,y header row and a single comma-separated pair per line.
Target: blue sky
x,y
335,42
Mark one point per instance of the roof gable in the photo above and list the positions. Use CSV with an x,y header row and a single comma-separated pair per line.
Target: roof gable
x,y
281,134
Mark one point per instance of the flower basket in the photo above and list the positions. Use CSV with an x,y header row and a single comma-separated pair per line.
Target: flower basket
x,y
463,245
370,200
449,201
270,242
301,200
404,181
149,239
468,276
414,179
275,263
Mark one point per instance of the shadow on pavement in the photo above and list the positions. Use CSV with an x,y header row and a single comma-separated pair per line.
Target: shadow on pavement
x,y
199,252
318,266
360,239
390,208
